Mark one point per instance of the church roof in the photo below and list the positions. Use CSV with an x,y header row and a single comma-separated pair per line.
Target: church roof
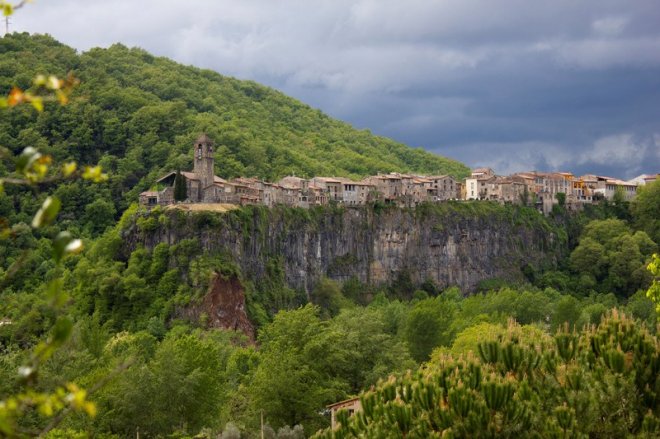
x,y
189,176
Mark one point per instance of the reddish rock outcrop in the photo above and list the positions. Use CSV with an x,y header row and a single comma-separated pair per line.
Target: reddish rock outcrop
x,y
224,304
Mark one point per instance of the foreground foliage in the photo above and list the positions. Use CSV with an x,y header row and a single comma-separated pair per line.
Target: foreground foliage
x,y
601,382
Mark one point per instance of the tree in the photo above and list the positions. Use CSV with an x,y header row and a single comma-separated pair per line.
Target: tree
x,y
653,292
99,214
646,209
295,378
600,382
181,386
611,258
328,296
567,311
428,326
561,198
180,189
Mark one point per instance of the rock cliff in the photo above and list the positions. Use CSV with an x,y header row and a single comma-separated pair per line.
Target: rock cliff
x,y
457,244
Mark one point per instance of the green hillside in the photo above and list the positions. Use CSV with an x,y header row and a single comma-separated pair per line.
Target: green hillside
x,y
138,114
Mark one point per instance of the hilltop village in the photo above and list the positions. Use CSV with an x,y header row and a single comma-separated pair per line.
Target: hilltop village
x,y
540,189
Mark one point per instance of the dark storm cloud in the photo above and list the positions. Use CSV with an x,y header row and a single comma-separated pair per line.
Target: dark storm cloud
x,y
514,84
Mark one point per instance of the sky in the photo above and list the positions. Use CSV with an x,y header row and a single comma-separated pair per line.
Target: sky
x,y
571,85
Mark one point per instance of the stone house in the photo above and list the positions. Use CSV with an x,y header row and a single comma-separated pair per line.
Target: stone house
x,y
476,185
153,198
388,186
333,188
356,193
608,187
420,190
477,188
651,178
505,190
445,188
318,196
246,190
352,406
482,173
297,191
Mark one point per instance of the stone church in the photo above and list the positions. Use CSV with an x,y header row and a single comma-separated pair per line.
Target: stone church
x,y
202,185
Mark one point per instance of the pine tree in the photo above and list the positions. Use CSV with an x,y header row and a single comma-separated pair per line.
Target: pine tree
x,y
180,190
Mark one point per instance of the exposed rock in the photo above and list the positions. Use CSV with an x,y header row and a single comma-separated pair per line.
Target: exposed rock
x,y
224,306
459,245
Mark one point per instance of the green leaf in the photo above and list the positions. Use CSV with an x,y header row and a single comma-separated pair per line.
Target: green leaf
x,y
65,244
56,294
47,213
38,104
26,159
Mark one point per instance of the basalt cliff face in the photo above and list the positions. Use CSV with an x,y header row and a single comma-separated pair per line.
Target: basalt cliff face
x,y
455,244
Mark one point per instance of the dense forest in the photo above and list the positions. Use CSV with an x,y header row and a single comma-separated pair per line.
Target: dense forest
x,y
570,351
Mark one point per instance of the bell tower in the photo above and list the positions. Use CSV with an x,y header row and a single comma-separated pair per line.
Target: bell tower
x,y
203,160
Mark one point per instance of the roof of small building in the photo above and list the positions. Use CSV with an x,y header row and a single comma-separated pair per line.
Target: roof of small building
x,y
345,401
149,193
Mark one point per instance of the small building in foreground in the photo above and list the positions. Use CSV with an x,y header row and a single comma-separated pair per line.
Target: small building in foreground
x,y
351,405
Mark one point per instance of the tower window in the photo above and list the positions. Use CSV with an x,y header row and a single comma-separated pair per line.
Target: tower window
x,y
199,151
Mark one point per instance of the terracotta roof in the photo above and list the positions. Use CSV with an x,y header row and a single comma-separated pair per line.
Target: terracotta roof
x,y
327,179
421,180
149,193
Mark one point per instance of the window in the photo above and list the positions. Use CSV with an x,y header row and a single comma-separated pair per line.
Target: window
x,y
152,201
199,151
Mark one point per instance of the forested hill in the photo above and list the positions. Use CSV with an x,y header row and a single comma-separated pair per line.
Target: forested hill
x,y
138,114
